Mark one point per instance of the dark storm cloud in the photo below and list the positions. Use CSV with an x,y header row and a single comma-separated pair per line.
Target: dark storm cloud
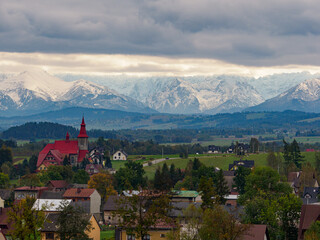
x,y
244,31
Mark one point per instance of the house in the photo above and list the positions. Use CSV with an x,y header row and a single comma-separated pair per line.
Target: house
x,y
74,150
185,196
2,235
130,193
50,205
49,231
89,195
214,149
57,185
30,191
120,155
177,209
232,198
257,232
5,226
6,195
97,155
244,163
93,168
109,210
240,148
157,232
51,194
294,181
310,195
309,214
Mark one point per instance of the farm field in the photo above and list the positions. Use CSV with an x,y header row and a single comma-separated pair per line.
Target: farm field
x,y
19,159
221,161
139,158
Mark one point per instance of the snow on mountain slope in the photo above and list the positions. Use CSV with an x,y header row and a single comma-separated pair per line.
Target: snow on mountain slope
x,y
303,97
272,85
206,96
308,90
187,95
33,92
42,84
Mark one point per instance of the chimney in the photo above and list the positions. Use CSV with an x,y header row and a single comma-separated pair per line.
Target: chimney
x,y
78,190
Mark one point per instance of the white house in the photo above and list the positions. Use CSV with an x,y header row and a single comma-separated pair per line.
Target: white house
x,y
119,155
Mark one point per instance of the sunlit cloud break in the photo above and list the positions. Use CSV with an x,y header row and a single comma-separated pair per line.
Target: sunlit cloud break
x,y
134,65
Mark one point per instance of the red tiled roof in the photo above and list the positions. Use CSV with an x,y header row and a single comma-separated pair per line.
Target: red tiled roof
x,y
44,153
61,148
256,232
78,193
66,147
4,220
161,224
82,155
29,188
58,183
83,132
309,214
58,149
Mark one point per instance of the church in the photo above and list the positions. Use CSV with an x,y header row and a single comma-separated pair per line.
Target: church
x,y
74,150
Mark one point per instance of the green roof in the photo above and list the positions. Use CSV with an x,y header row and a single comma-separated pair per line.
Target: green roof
x,y
184,193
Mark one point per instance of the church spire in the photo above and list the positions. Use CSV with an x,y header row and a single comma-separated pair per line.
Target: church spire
x,y
67,136
83,132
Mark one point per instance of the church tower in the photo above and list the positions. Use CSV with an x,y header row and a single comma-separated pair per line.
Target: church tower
x,y
83,137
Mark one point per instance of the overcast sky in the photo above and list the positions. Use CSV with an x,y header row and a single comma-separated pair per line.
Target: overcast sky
x,y
160,36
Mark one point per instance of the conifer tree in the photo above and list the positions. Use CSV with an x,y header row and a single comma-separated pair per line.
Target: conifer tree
x,y
207,192
157,179
173,175
221,188
165,176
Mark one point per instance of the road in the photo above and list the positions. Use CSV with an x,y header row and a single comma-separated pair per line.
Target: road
x,y
156,161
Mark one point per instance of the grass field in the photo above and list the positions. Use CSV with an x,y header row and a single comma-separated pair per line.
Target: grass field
x,y
107,235
19,159
221,161
139,158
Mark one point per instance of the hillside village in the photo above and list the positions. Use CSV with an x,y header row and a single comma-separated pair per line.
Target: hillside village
x,y
71,191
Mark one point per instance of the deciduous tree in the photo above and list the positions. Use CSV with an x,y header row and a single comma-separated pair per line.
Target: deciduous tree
x,y
140,212
219,224
72,223
26,221
102,182
81,177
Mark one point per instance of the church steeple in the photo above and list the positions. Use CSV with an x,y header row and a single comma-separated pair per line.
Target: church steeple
x,y
67,136
83,132
83,137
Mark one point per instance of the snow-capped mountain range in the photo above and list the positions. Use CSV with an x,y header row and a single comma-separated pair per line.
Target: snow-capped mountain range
x,y
303,97
37,91
208,96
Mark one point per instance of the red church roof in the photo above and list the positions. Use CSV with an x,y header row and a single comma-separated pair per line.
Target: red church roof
x,y
67,146
82,155
61,148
